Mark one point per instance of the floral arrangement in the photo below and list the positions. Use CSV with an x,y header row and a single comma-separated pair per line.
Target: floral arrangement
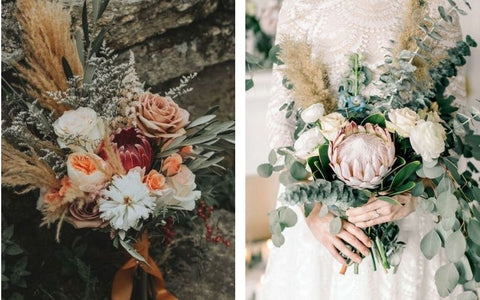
x,y
104,152
405,141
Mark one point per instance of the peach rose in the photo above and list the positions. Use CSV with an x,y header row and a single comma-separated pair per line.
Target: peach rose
x,y
171,165
83,171
186,151
154,180
160,117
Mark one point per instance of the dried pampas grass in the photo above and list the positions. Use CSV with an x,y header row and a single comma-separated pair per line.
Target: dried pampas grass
x,y
306,73
20,169
46,39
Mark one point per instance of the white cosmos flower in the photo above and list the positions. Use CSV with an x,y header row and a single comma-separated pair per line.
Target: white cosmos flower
x,y
126,201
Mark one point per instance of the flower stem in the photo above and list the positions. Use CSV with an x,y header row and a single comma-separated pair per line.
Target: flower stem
x,y
143,284
355,268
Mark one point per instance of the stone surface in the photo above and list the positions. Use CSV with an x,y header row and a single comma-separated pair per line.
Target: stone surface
x,y
189,274
185,50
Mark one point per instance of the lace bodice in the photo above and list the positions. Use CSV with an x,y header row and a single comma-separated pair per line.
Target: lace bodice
x,y
336,29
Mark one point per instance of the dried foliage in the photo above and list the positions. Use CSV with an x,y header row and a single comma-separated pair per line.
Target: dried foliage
x,y
28,171
306,73
47,39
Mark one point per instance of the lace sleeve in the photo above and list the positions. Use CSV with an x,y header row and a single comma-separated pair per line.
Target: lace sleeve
x,y
280,129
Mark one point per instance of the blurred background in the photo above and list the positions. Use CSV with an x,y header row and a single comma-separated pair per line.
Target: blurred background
x,y
169,39
261,193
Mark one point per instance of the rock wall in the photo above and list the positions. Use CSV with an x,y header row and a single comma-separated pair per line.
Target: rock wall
x,y
169,39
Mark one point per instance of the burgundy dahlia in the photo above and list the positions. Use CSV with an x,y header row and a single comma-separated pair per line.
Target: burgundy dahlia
x,y
132,147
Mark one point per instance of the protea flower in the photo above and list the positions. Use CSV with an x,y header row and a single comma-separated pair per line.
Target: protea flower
x,y
132,147
361,156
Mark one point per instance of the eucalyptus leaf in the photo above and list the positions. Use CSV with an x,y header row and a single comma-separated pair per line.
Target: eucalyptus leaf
x,y
335,226
434,172
278,240
248,84
418,190
427,205
272,157
468,295
447,204
265,170
473,230
287,217
446,279
464,269
298,171
430,244
455,246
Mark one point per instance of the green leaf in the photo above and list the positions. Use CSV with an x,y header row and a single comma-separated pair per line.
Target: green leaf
x,y
378,119
418,190
455,246
252,59
430,244
298,171
404,188
13,249
447,204
248,84
287,217
323,154
446,279
200,121
427,205
88,74
473,230
7,233
314,164
85,24
265,170
67,70
132,251
272,157
97,43
286,179
470,41
335,226
432,173
102,7
468,295
278,240
441,10
404,173
464,269
273,55
389,200
80,46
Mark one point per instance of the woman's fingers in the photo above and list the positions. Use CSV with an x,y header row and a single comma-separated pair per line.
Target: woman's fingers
x,y
336,255
352,240
358,233
344,249
369,215
369,207
379,220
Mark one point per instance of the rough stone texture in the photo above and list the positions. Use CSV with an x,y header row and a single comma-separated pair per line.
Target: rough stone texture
x,y
211,276
134,21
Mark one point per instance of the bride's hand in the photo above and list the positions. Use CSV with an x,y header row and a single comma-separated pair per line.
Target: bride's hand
x,y
351,234
378,211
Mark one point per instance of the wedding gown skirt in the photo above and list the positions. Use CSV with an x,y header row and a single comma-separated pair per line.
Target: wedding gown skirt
x,y
302,269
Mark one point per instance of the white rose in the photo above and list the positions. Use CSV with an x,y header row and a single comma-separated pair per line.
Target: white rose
x,y
181,191
307,142
428,139
79,129
313,113
331,125
83,171
402,121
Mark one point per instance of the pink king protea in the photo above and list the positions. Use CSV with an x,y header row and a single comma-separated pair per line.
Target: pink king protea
x,y
132,147
361,156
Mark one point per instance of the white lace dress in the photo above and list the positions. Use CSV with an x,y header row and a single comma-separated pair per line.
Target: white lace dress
x,y
302,268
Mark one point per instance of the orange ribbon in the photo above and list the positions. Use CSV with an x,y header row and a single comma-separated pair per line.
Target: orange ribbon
x,y
123,282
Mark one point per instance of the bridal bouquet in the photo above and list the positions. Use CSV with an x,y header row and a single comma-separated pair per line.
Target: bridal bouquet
x,y
406,140
104,152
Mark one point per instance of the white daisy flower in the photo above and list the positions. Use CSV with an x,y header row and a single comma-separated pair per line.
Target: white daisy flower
x,y
126,201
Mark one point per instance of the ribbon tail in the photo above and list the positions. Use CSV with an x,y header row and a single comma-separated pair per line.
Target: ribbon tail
x,y
122,286
161,292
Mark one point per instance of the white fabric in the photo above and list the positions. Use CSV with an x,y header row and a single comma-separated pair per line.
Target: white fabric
x,y
302,268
